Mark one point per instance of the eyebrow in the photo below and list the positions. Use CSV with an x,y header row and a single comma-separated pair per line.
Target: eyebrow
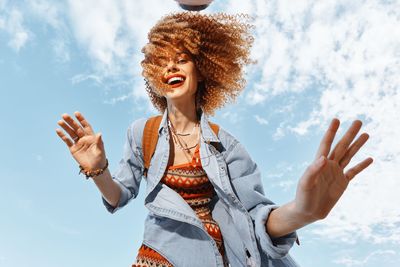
x,y
177,54
180,53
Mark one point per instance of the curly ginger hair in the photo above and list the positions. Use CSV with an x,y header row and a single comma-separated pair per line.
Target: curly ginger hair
x,y
219,45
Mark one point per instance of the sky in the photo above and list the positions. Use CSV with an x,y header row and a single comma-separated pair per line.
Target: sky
x,y
316,60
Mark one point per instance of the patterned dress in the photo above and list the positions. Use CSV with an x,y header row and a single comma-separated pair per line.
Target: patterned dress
x,y
191,182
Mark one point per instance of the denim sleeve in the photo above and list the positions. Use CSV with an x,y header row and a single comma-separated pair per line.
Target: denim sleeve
x,y
130,168
246,181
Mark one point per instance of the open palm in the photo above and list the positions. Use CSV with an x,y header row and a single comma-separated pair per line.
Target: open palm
x,y
85,146
325,180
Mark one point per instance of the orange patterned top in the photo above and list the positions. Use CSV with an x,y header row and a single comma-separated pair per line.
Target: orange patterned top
x,y
191,182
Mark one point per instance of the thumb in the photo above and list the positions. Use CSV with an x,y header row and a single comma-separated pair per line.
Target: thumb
x,y
99,139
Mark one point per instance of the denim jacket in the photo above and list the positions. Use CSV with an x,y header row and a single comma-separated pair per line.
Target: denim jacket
x,y
239,206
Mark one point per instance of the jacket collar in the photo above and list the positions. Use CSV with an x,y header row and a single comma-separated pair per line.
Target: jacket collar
x,y
207,133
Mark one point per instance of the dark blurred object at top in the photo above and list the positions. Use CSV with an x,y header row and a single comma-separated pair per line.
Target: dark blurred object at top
x,y
193,7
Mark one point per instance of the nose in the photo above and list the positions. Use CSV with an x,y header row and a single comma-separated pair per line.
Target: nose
x,y
171,66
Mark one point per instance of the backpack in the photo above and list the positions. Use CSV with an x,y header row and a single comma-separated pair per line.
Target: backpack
x,y
150,139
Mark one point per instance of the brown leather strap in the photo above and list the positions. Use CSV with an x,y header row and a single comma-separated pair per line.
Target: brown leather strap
x,y
214,127
150,139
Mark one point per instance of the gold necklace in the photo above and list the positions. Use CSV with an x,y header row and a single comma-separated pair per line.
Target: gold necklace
x,y
184,147
182,134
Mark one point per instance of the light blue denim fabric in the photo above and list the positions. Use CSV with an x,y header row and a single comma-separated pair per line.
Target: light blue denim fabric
x,y
240,207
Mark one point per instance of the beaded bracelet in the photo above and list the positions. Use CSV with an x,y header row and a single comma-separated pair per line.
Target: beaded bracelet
x,y
94,173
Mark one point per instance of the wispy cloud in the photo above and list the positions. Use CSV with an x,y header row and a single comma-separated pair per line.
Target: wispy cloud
x,y
284,175
261,120
115,100
12,22
232,117
375,255
279,132
85,77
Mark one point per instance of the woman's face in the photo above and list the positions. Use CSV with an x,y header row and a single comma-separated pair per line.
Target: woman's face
x,y
181,77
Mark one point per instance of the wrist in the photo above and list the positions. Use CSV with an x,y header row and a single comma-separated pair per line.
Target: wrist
x,y
92,173
301,216
286,219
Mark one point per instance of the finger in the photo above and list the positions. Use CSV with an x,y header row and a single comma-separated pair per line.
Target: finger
x,y
85,124
68,129
74,125
342,146
64,138
99,140
353,149
326,142
351,173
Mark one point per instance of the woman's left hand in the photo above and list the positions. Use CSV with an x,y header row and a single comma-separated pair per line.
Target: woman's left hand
x,y
325,180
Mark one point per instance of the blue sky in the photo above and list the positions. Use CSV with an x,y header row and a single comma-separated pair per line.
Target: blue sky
x,y
315,60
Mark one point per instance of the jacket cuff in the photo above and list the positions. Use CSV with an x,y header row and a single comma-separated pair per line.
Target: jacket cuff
x,y
125,193
275,248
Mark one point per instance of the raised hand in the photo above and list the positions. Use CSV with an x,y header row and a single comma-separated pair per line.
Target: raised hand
x,y
86,147
325,180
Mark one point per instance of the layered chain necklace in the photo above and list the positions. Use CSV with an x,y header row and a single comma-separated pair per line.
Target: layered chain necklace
x,y
178,140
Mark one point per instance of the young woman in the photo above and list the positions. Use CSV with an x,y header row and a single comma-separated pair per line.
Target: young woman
x,y
204,192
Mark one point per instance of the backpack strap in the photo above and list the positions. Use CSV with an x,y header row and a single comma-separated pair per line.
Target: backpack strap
x,y
150,139
214,127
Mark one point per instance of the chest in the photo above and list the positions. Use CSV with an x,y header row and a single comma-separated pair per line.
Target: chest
x,y
183,149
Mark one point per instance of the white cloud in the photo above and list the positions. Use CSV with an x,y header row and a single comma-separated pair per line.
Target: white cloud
x,y
279,132
349,261
234,6
112,34
281,175
115,100
303,127
43,11
261,120
12,22
232,117
330,43
47,11
96,25
84,77
61,50
52,14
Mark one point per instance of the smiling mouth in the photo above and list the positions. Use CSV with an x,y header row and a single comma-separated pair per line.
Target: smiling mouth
x,y
176,80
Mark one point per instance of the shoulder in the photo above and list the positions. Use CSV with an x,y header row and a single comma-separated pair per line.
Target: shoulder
x,y
227,139
135,131
138,124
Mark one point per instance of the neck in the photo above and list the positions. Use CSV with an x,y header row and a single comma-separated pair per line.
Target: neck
x,y
183,116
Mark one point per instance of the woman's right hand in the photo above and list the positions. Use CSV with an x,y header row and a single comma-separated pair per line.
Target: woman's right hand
x,y
86,147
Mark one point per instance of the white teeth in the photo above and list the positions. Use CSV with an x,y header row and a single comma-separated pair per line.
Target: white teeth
x,y
174,79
